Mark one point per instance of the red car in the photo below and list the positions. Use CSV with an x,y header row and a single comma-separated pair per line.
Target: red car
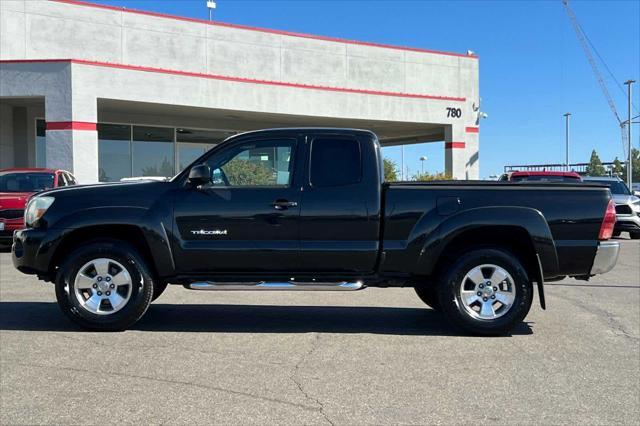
x,y
542,176
16,187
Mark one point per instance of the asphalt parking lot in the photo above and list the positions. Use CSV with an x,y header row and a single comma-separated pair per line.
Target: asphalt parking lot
x,y
371,357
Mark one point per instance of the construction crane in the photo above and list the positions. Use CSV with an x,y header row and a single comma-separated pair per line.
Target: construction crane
x,y
596,71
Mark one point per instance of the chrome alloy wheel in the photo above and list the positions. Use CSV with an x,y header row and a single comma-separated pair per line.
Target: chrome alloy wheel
x,y
103,286
487,292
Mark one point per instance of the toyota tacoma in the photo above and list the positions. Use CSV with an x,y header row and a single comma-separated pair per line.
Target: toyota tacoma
x,y
308,209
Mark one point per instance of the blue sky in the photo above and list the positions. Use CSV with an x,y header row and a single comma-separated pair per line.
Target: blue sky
x,y
532,68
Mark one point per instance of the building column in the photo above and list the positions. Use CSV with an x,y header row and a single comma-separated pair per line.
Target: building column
x,y
72,137
462,152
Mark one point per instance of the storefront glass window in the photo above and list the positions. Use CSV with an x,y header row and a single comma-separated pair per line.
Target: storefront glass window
x,y
114,152
193,143
152,151
41,147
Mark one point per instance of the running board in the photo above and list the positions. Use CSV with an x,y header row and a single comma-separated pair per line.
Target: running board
x,y
290,285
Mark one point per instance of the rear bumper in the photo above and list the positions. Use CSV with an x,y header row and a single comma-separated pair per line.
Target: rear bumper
x,y
606,257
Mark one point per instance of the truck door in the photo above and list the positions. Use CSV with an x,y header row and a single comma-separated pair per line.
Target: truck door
x,y
247,220
340,216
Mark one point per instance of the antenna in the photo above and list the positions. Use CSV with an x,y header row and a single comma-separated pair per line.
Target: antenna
x,y
211,4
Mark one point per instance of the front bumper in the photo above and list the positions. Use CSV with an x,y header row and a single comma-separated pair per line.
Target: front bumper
x,y
31,251
627,223
606,257
7,227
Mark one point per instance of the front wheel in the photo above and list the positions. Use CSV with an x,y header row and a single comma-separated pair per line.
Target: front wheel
x,y
486,292
634,235
104,285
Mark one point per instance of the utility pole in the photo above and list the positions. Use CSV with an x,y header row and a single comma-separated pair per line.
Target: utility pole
x,y
402,165
566,138
628,83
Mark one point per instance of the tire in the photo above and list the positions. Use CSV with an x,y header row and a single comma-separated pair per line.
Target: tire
x,y
98,269
486,315
429,295
634,235
158,288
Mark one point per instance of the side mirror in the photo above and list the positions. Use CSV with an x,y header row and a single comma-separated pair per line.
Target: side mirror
x,y
200,175
636,193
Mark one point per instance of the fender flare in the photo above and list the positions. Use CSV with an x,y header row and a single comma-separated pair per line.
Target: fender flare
x,y
532,221
150,225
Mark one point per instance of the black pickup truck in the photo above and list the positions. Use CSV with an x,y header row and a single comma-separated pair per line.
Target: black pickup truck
x,y
308,209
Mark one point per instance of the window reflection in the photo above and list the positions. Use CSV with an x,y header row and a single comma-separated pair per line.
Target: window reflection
x,y
41,147
152,151
130,151
114,152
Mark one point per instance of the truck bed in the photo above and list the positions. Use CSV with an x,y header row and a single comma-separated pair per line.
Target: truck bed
x,y
572,212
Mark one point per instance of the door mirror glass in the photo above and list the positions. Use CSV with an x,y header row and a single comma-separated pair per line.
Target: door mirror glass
x,y
200,174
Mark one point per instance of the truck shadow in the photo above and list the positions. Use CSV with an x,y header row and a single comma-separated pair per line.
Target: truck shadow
x,y
45,316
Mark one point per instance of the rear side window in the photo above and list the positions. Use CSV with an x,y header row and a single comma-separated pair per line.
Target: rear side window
x,y
335,162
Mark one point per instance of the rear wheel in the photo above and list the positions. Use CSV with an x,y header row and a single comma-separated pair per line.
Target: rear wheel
x,y
104,285
429,295
486,292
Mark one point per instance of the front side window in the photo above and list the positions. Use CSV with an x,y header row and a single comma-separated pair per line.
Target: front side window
x,y
335,162
263,163
62,180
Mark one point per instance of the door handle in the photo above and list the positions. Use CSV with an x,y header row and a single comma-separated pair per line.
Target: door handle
x,y
283,204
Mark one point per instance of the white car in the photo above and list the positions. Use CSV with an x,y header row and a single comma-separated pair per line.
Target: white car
x,y
627,205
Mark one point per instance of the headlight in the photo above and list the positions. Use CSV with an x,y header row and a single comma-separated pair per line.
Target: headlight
x,y
635,206
36,209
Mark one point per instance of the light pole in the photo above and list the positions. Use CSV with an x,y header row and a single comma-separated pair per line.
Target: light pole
x,y
566,137
628,83
422,160
211,5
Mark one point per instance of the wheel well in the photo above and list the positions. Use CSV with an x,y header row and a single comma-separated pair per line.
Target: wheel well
x,y
128,233
515,239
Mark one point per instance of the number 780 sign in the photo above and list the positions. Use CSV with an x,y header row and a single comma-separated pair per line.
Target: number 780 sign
x,y
454,112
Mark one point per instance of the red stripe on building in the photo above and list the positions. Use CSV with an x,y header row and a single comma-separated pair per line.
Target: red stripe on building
x,y
454,145
71,125
264,30
243,79
472,129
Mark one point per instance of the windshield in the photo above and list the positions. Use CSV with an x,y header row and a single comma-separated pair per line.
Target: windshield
x,y
545,178
615,186
25,182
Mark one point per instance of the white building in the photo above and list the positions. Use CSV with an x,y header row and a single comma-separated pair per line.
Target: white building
x,y
108,92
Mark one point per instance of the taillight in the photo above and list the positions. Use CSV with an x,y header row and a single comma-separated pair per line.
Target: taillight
x,y
609,221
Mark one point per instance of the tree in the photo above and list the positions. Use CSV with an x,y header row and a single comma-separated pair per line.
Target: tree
x,y
248,173
425,177
165,169
390,170
618,168
595,167
635,163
